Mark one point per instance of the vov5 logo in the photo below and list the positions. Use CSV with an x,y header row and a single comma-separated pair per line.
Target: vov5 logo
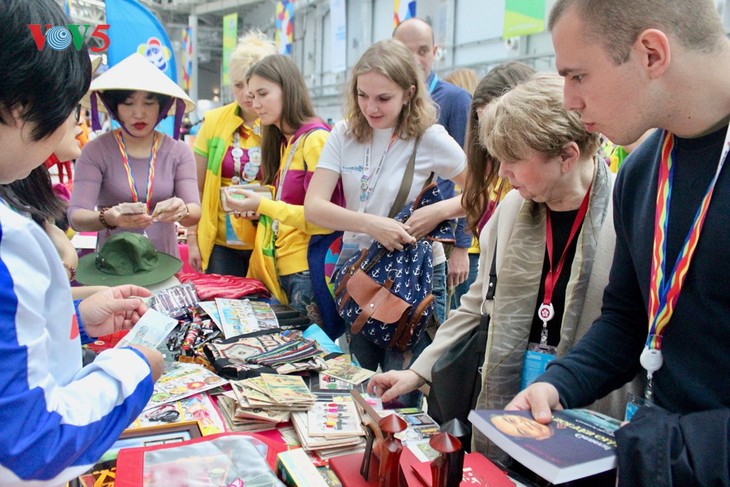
x,y
59,37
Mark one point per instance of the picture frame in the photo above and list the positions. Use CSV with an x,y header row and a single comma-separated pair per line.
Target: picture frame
x,y
103,473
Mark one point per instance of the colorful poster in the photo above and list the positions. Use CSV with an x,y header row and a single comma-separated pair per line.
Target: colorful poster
x,y
187,52
338,30
284,26
402,10
230,34
523,18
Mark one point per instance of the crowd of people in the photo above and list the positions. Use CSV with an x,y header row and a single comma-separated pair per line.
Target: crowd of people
x,y
590,265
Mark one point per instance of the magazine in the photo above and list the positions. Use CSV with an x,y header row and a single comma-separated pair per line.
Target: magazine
x,y
577,443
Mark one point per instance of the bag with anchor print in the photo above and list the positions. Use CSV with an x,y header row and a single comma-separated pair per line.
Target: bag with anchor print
x,y
386,296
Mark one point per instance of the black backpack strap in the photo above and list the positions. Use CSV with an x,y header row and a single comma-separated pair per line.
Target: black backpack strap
x,y
492,286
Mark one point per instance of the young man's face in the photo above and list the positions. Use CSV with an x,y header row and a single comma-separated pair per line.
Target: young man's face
x,y
21,154
610,98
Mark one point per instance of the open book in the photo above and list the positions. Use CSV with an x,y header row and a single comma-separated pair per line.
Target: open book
x,y
577,443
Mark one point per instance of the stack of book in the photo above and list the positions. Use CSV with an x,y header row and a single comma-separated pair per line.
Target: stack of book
x,y
261,402
331,427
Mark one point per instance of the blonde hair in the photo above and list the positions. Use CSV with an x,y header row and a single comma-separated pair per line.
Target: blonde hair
x,y
531,116
392,59
252,47
464,78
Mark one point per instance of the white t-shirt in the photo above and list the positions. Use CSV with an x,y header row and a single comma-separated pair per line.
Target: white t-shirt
x,y
437,152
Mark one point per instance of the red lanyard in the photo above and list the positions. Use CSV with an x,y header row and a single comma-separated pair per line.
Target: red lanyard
x,y
546,311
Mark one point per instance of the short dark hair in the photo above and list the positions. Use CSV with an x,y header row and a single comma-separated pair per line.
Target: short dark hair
x,y
112,99
47,83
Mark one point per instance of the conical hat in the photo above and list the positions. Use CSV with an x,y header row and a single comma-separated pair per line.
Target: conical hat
x,y
136,73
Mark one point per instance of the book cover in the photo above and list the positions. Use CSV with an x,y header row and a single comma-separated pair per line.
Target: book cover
x,y
576,444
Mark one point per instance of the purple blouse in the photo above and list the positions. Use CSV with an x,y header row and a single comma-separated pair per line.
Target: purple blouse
x,y
100,180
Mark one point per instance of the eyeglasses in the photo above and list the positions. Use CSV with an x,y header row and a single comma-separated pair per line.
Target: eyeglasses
x,y
77,113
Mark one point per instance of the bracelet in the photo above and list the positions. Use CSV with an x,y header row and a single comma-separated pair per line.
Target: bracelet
x,y
103,220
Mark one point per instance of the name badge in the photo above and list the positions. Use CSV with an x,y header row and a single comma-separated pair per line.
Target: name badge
x,y
537,358
231,237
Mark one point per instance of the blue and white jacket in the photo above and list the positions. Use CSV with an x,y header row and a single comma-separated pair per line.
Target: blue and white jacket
x,y
56,418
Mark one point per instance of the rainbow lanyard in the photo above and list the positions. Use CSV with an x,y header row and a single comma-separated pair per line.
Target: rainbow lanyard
x,y
664,289
128,168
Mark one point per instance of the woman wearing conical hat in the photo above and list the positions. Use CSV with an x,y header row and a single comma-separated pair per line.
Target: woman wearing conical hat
x,y
135,178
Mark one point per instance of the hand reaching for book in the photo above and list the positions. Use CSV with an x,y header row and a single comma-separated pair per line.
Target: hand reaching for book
x,y
540,398
394,383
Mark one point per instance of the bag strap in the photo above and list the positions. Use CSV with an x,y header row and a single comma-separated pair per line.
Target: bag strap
x,y
492,286
405,185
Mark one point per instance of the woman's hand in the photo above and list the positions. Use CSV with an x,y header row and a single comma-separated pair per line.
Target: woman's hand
x,y
170,210
114,309
116,218
194,258
247,203
394,383
424,220
392,234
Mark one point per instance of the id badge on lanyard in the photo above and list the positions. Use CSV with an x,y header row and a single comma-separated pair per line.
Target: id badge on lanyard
x,y
537,358
231,237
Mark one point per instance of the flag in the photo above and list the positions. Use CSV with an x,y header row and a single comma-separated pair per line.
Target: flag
x,y
230,34
284,26
523,18
133,28
187,64
402,10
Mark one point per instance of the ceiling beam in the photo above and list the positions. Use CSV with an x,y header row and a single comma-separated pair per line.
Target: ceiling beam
x,y
219,6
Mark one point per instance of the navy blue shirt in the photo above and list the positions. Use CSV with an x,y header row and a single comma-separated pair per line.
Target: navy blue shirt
x,y
453,109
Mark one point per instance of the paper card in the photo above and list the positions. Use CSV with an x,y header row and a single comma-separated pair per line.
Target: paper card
x,y
211,309
347,372
180,380
150,331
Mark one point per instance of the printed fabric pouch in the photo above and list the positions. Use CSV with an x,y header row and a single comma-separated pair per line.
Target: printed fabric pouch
x,y
386,296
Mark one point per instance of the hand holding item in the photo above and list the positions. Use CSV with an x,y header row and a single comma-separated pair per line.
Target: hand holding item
x,y
115,217
423,220
170,210
391,384
242,201
113,309
392,234
540,398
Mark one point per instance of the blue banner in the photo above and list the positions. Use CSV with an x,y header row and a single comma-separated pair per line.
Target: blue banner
x,y
133,28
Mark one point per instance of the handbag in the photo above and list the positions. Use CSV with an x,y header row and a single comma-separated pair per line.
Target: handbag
x,y
386,296
456,378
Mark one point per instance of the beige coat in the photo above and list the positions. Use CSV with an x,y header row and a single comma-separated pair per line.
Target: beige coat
x,y
518,230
